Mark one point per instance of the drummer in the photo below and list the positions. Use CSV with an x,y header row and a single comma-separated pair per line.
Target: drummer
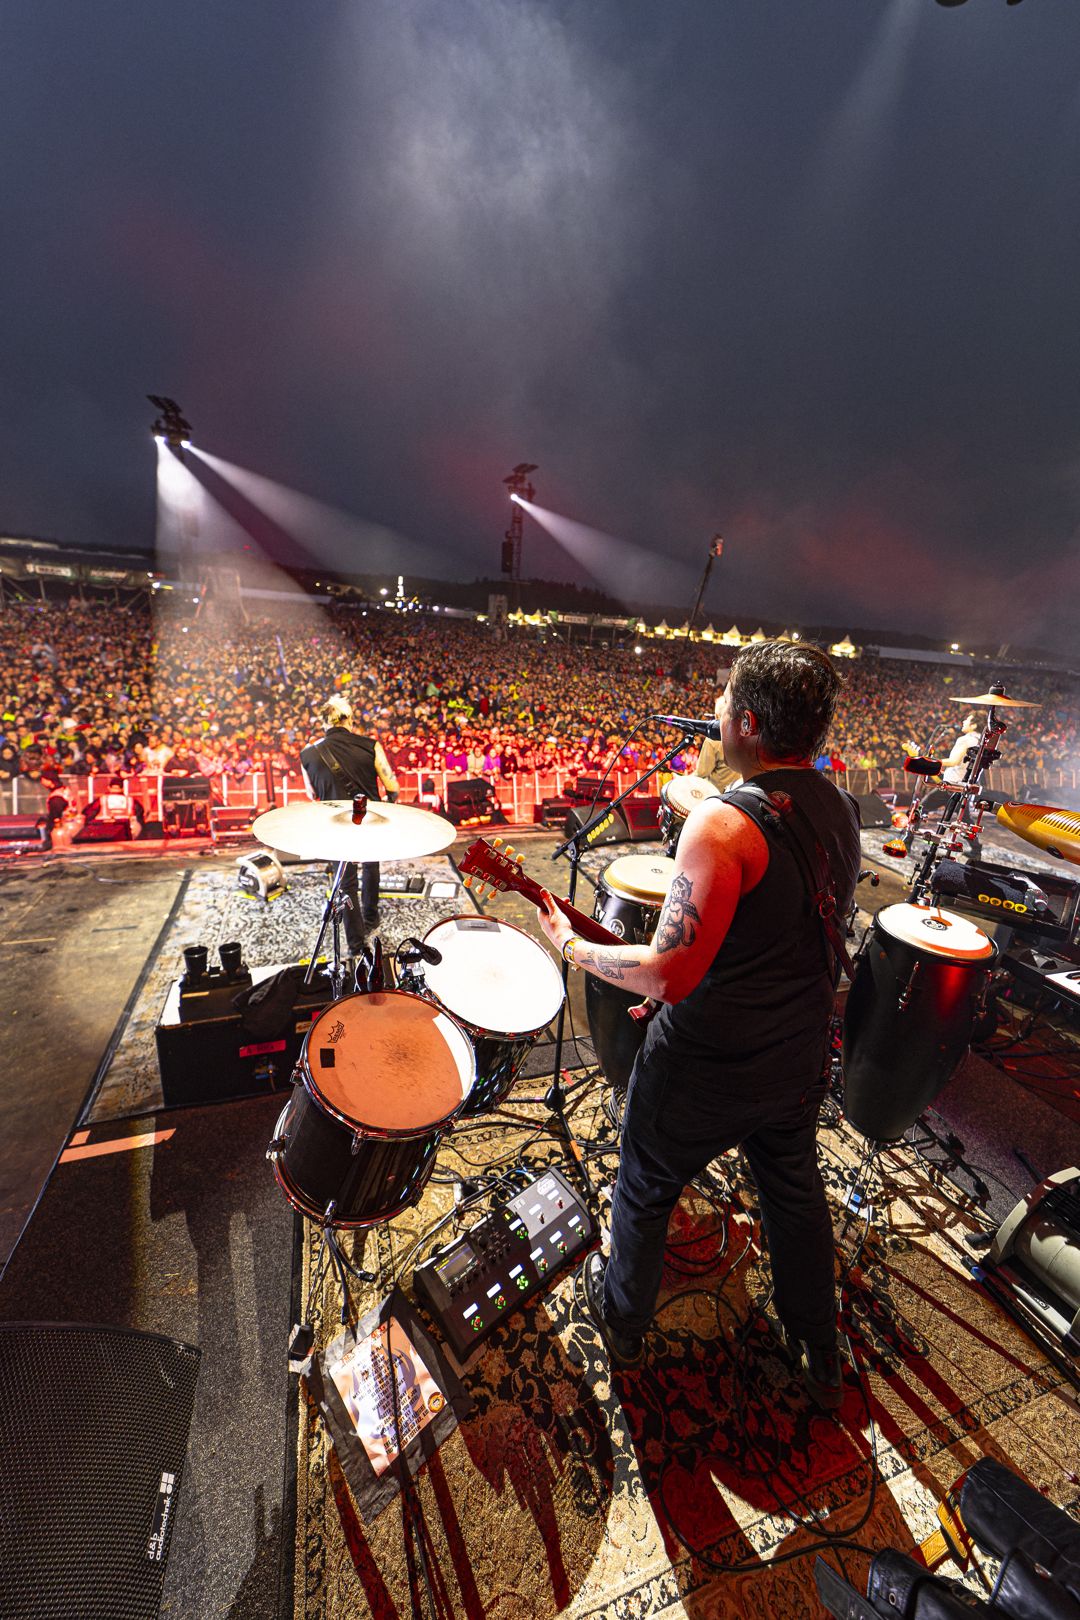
x,y
711,762
735,1055
339,765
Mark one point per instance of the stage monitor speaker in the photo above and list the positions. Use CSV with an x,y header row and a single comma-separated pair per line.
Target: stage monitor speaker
x,y
612,830
23,830
588,788
472,802
873,811
551,812
642,819
94,1427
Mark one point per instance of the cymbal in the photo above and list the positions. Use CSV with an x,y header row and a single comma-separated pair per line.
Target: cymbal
x,y
325,831
999,700
1056,831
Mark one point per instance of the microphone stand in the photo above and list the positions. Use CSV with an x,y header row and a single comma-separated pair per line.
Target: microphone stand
x,y
555,1100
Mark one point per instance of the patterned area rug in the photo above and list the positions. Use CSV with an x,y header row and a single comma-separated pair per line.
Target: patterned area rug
x,y
214,909
691,1486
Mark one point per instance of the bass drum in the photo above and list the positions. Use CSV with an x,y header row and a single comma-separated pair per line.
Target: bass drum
x,y
502,988
381,1078
919,984
678,796
629,898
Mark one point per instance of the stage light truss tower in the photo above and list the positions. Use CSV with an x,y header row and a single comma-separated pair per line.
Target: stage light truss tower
x,y
520,490
716,549
171,425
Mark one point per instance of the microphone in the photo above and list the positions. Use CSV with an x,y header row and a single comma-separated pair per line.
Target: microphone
x,y
693,728
414,950
919,765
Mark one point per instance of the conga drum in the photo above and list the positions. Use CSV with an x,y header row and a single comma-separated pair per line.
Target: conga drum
x,y
678,796
629,898
919,984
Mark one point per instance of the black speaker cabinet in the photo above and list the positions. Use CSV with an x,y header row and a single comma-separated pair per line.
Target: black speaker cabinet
x,y
612,830
642,819
873,811
94,1427
213,1059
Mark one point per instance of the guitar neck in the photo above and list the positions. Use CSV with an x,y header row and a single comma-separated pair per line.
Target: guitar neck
x,y
587,927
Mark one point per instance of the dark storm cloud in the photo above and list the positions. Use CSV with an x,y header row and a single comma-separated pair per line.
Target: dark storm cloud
x,y
802,273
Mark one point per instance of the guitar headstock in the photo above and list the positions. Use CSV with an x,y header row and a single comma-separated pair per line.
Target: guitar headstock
x,y
494,864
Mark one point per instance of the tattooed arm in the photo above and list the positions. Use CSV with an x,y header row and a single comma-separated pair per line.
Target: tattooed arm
x,y
722,855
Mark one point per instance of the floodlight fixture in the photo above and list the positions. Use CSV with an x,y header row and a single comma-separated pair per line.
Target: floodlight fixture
x,y
171,426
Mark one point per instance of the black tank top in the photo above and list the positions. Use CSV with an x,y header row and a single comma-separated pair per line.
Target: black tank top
x,y
761,1012
355,773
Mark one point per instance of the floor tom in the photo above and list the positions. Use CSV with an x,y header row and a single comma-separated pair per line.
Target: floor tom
x,y
381,1077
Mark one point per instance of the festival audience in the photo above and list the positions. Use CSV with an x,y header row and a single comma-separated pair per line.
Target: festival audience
x,y
91,689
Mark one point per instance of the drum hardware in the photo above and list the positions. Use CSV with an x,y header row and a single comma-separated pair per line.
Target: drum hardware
x,y
497,866
905,994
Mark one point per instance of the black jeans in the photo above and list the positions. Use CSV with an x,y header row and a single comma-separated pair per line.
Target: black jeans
x,y
674,1124
364,904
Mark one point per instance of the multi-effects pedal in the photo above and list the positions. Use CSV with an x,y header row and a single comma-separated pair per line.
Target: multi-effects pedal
x,y
476,1281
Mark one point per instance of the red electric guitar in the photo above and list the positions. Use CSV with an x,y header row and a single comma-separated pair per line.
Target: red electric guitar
x,y
500,871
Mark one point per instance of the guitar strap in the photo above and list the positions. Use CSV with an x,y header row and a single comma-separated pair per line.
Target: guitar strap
x,y
777,813
334,765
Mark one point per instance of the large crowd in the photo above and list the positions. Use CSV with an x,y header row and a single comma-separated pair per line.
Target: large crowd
x,y
88,688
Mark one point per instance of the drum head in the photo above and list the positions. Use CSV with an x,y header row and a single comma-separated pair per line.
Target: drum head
x,y
683,792
493,976
646,878
942,933
389,1063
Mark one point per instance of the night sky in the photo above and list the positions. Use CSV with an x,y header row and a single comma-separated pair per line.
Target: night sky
x,y
806,272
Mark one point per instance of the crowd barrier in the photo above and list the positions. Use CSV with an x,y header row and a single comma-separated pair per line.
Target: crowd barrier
x,y
519,797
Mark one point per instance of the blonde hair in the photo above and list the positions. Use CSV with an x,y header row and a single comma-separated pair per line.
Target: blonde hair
x,y
336,711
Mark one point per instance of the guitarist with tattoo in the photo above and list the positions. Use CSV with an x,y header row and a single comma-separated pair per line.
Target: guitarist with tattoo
x,y
742,967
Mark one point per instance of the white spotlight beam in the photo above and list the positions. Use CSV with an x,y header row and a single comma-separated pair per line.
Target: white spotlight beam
x,y
337,538
628,572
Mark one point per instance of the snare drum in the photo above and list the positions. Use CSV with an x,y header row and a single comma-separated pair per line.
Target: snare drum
x,y
629,897
919,984
380,1079
502,988
678,797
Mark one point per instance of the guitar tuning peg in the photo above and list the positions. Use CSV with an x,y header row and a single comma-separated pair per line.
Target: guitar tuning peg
x,y
497,842
467,880
509,852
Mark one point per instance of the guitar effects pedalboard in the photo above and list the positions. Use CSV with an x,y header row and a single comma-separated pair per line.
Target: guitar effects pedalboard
x,y
475,1282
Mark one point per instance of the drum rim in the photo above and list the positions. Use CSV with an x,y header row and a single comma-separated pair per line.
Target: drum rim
x,y
386,1133
959,959
654,902
483,1030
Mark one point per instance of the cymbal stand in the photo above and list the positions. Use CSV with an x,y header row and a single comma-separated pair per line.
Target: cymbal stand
x,y
959,823
332,918
555,1100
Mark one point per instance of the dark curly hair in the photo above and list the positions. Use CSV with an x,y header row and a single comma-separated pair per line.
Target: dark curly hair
x,y
792,690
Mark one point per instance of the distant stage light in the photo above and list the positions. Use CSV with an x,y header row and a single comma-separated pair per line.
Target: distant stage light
x,y
171,425
638,650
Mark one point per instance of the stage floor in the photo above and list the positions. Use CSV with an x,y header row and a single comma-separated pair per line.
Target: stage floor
x,y
569,1491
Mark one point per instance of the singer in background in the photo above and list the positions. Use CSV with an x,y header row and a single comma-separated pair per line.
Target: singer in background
x,y
735,1056
711,762
340,765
